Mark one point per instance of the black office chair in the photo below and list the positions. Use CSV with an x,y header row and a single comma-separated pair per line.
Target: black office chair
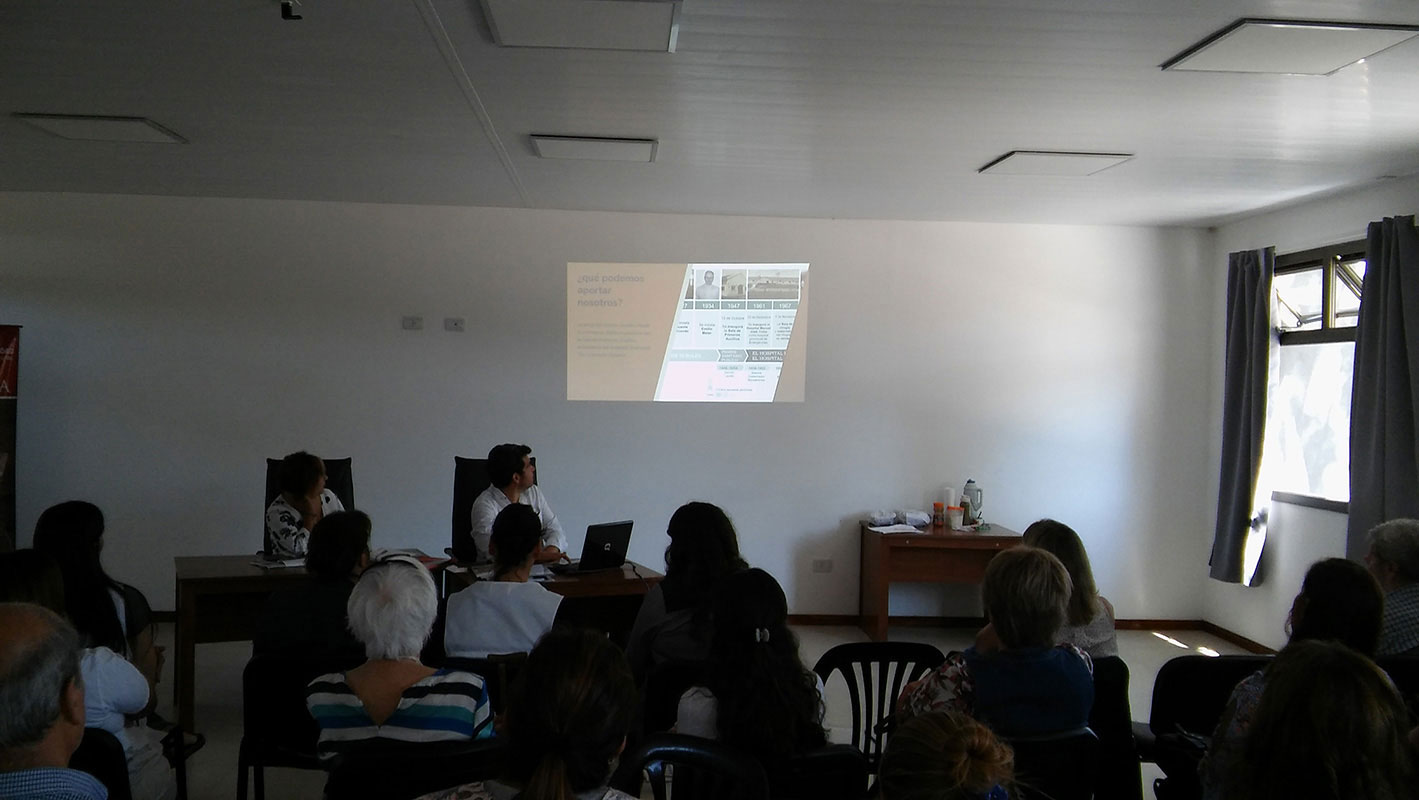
x,y
402,770
1120,774
834,772
498,671
470,478
875,673
660,697
277,730
338,479
1056,766
701,769
1189,696
101,755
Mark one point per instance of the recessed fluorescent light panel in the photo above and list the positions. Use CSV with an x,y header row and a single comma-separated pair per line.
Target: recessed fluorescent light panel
x,y
594,148
650,25
1053,162
101,129
1288,47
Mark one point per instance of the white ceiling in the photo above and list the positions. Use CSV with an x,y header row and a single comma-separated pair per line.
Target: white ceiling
x,y
804,108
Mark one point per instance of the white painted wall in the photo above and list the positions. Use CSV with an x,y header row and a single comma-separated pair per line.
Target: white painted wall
x,y
170,344
1297,536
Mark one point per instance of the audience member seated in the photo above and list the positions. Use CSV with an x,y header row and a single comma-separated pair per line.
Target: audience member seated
x,y
507,614
1089,625
41,707
1339,602
114,689
1330,726
513,479
392,696
302,502
308,619
1394,561
566,723
105,612
674,623
758,695
1025,685
945,755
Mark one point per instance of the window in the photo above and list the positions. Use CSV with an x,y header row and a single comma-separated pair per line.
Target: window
x,y
1317,304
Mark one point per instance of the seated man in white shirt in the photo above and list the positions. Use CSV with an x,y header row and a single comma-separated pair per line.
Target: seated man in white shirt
x,y
507,614
514,480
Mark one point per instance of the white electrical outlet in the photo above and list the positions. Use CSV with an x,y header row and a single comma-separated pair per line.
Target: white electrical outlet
x,y
822,565
453,324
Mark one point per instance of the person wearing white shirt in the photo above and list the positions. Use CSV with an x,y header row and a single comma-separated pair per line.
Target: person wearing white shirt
x,y
507,614
709,290
514,480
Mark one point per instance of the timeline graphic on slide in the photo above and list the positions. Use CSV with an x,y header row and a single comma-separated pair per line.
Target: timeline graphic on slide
x,y
701,332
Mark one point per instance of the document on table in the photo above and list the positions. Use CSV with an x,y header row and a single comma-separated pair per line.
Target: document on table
x,y
899,528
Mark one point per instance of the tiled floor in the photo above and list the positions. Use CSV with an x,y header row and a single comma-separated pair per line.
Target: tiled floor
x,y
212,772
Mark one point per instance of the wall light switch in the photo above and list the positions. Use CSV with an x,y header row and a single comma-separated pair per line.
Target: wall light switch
x,y
453,324
412,323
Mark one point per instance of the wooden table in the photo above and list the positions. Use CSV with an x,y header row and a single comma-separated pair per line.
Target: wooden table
x,y
221,599
934,557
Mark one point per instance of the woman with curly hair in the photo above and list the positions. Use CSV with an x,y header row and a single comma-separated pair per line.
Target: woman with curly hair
x,y
758,696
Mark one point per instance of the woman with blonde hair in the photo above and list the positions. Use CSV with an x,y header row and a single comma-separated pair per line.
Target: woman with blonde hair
x,y
945,755
1089,621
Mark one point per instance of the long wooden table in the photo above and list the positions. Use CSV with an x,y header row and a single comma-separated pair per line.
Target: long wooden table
x,y
221,598
933,557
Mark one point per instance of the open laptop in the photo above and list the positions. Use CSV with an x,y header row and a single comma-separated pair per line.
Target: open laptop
x,y
605,548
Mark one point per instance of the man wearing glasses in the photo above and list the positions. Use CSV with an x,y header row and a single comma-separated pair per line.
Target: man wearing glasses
x,y
514,480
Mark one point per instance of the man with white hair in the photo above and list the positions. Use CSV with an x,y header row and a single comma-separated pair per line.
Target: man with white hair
x,y
393,695
41,707
1394,561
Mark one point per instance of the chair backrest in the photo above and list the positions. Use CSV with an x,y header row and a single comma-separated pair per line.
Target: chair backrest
x,y
835,772
702,769
101,755
876,673
1191,691
404,770
1058,766
470,478
664,684
338,479
1120,775
1404,671
498,670
274,718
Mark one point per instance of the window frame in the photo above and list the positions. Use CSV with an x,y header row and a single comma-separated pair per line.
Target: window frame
x,y
1328,259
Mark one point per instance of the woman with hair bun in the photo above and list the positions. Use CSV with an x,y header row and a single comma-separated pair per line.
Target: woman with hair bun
x,y
945,755
566,723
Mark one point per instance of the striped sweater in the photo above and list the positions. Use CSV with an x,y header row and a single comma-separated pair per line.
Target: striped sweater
x,y
449,705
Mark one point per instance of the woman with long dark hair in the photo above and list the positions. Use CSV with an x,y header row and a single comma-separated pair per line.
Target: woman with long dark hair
x,y
1089,619
567,720
106,612
675,620
757,696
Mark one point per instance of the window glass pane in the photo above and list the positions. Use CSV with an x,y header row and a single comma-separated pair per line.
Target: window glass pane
x,y
1310,421
1348,279
1298,300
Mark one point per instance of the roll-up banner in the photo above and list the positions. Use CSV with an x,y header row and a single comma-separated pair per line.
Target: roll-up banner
x,y
9,394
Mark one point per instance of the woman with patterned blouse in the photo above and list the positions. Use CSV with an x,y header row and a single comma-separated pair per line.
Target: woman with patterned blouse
x,y
302,502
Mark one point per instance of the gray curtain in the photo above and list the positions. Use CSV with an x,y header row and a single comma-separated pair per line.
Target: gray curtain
x,y
1384,453
1248,352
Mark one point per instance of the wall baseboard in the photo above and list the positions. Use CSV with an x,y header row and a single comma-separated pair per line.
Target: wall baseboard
x,y
976,622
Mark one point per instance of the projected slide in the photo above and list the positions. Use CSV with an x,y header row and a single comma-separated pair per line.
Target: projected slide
x,y
696,333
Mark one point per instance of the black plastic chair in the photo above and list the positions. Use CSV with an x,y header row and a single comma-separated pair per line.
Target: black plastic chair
x,y
1404,671
498,671
400,771
700,769
1056,766
1190,694
277,730
660,698
1120,774
835,772
875,673
338,479
101,755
